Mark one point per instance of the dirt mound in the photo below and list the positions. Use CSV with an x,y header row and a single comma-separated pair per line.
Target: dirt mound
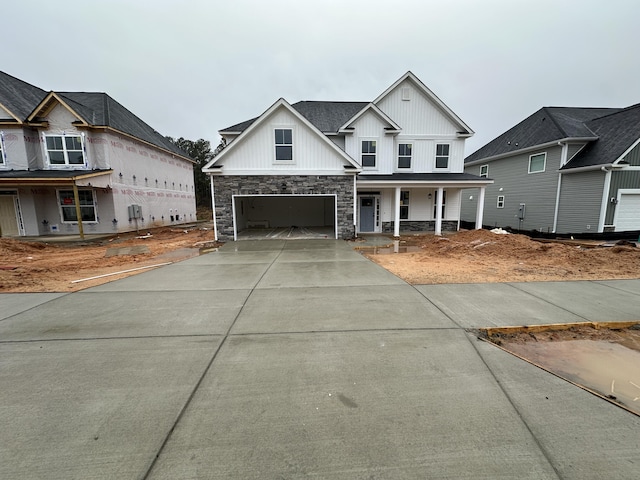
x,y
478,256
8,245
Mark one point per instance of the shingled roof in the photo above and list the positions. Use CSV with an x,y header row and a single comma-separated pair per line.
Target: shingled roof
x,y
96,109
19,97
328,117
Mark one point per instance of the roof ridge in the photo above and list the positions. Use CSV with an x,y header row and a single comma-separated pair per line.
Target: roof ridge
x,y
619,110
555,122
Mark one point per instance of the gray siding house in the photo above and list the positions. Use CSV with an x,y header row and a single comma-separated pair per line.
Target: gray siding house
x,y
562,170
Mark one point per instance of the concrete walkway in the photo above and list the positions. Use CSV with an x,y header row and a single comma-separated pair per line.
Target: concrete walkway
x,y
295,359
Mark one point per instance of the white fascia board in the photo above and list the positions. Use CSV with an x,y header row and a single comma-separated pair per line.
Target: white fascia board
x,y
409,75
383,116
288,172
530,149
262,118
423,183
626,152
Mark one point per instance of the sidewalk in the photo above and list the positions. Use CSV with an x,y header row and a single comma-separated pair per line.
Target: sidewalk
x,y
291,359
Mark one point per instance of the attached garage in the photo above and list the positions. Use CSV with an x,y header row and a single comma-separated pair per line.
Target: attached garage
x,y
627,216
268,213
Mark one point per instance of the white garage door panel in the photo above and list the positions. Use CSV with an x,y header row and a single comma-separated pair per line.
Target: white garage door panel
x,y
628,212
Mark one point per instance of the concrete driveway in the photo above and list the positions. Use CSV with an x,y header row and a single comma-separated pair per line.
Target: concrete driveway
x,y
294,359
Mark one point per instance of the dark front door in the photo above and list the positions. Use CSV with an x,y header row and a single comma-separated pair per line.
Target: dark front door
x,y
367,214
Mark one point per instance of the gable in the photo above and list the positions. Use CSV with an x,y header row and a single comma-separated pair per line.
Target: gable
x,y
5,114
254,150
415,112
61,119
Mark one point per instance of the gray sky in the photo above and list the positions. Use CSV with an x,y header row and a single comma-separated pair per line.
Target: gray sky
x,y
189,68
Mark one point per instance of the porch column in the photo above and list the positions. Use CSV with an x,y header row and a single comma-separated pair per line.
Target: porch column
x,y
480,208
396,216
213,207
439,211
76,199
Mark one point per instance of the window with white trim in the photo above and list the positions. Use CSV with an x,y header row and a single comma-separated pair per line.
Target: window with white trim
x,y
404,155
2,154
284,144
500,202
404,205
65,149
442,155
484,171
368,153
537,162
67,204
435,203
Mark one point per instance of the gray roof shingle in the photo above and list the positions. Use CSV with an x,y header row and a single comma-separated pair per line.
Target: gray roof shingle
x,y
18,96
327,117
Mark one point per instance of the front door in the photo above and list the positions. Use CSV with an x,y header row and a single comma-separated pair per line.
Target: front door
x,y
367,214
8,218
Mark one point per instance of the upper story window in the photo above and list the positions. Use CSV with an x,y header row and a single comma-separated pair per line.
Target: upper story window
x,y
404,155
368,153
442,155
537,163
484,171
68,206
64,150
284,144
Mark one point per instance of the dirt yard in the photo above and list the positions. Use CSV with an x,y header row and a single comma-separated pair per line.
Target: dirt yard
x,y
465,257
480,256
51,267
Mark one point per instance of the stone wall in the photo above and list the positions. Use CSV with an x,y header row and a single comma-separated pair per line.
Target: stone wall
x,y
421,226
227,186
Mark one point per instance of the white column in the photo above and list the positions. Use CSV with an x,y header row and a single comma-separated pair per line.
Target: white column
x,y
213,207
480,208
396,222
439,211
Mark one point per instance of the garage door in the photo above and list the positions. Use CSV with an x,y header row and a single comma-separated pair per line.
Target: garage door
x,y
275,215
628,212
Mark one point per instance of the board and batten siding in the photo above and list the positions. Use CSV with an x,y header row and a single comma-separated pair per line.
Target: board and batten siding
x,y
621,179
536,190
418,114
257,152
580,200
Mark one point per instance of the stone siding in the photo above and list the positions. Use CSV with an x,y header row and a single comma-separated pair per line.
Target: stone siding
x,y
421,226
227,186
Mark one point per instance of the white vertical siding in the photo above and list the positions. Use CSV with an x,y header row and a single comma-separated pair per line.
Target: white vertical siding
x,y
417,115
257,151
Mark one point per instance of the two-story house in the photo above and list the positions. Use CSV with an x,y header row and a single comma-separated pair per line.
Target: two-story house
x,y
76,162
563,170
391,165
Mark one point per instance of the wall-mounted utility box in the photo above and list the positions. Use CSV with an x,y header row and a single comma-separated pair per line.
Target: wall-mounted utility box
x,y
135,211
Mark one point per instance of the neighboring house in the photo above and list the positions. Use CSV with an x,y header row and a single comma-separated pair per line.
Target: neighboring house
x,y
562,170
394,164
76,162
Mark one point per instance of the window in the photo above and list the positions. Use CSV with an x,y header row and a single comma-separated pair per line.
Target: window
x,y
537,163
500,203
68,206
369,153
442,155
404,205
435,203
484,171
404,155
2,158
64,150
284,144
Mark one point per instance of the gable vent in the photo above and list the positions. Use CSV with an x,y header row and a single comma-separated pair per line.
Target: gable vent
x,y
406,94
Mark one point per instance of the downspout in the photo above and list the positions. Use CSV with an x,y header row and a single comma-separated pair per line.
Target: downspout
x,y
563,162
213,208
76,199
605,197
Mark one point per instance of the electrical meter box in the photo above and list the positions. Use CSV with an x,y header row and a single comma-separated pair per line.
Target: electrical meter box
x,y
135,211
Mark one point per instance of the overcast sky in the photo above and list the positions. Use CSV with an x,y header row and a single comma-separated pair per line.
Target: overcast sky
x,y
190,68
